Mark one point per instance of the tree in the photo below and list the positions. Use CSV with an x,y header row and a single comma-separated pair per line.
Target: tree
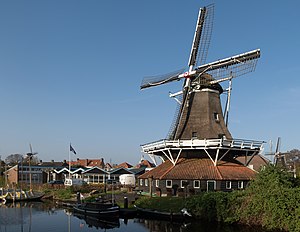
x,y
13,159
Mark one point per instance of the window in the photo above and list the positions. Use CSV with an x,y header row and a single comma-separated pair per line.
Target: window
x,y
228,184
146,182
216,117
141,182
184,183
194,135
157,183
168,183
196,183
240,184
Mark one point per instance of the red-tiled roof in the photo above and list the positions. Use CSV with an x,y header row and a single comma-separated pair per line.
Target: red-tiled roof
x,y
89,162
200,169
145,163
257,161
108,165
124,165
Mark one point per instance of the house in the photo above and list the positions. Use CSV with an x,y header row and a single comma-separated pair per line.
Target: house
x,y
95,175
195,175
108,167
124,165
115,173
88,163
145,163
255,163
40,173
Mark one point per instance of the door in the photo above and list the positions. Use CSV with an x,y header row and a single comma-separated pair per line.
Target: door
x,y
211,185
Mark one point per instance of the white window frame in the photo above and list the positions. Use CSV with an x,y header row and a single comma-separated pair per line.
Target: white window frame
x,y
168,186
194,185
157,183
181,183
216,117
146,182
229,182
240,184
141,182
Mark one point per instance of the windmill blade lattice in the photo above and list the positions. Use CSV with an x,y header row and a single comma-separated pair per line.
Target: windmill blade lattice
x,y
152,81
231,67
205,35
176,118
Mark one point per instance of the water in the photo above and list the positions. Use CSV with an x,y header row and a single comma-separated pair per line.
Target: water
x,y
46,217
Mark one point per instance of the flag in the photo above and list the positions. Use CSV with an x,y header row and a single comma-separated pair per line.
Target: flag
x,y
72,149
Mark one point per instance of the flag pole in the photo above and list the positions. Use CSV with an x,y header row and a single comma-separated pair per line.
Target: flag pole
x,y
70,161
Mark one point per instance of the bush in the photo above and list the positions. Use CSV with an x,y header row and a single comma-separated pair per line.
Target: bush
x,y
215,206
164,204
272,200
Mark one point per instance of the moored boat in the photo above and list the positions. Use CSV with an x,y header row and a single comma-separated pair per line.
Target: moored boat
x,y
169,216
14,195
98,209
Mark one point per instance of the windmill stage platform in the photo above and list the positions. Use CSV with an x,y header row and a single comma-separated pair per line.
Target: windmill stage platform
x,y
172,149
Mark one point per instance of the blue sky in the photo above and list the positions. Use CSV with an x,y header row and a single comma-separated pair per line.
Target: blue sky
x,y
70,72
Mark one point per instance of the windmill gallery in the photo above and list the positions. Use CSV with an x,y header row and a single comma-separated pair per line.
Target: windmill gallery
x,y
199,153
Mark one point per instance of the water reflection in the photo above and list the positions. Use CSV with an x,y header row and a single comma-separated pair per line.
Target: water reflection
x,y
47,217
164,226
20,216
98,223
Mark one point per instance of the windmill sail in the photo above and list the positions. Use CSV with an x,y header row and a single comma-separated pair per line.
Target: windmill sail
x,y
152,81
231,67
199,49
202,36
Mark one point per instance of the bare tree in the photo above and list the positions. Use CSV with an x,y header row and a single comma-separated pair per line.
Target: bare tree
x,y
13,159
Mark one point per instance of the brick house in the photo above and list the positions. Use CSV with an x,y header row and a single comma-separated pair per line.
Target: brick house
x,y
195,176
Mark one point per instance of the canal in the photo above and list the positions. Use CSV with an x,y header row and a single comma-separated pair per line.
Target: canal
x,y
47,217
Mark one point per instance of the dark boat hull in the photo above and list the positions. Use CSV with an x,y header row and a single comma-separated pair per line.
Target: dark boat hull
x,y
97,210
167,216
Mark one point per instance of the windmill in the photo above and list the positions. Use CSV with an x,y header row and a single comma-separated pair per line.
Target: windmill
x,y
201,89
199,116
278,156
30,156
